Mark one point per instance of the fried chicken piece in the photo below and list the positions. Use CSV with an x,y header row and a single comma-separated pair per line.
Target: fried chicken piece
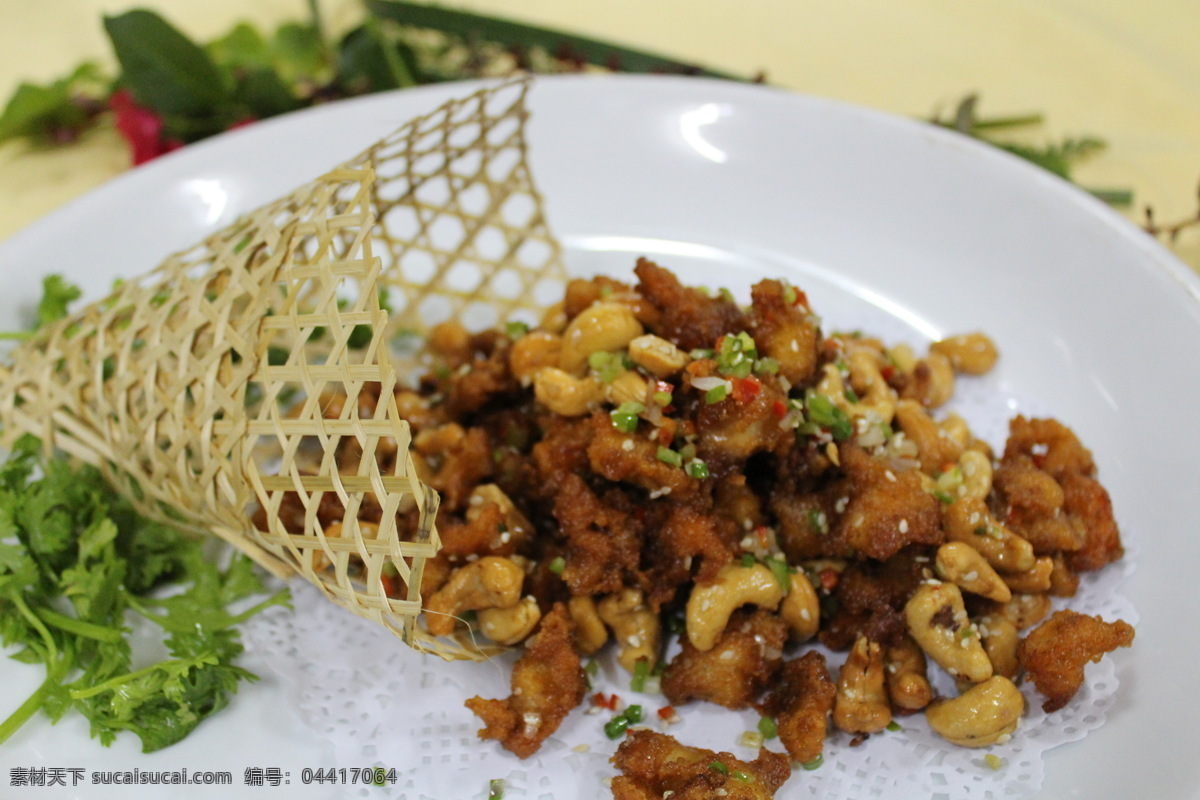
x,y
688,317
637,464
653,764
547,682
869,600
461,459
1087,501
785,331
736,669
801,700
480,535
1052,445
603,546
1054,654
887,510
735,429
686,542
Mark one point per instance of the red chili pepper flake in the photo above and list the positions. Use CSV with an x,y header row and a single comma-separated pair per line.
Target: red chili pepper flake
x,y
888,372
746,389
667,713
829,579
610,702
801,299
663,386
1039,460
780,408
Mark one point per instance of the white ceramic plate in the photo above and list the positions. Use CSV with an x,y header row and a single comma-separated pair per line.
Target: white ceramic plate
x,y
866,211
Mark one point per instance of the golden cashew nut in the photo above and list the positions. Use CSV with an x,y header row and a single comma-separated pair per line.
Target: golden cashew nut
x,y
934,447
969,520
1000,640
1034,580
977,474
972,353
903,357
555,318
636,628
601,327
564,394
516,524
907,682
658,356
628,387
961,564
511,625
955,428
710,604
590,633
800,609
490,582
861,704
875,398
1025,610
934,383
534,351
937,621
985,714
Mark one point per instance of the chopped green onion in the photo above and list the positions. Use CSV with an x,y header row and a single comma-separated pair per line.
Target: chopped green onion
x,y
663,398
717,766
750,739
789,294
669,456
817,521
736,355
741,777
894,726
557,565
697,469
716,394
816,762
591,667
726,295
599,359
688,451
701,352
766,366
781,571
516,329
851,395
625,416
605,292
747,560
766,726
824,413
943,498
640,671
634,712
496,789
616,726
994,761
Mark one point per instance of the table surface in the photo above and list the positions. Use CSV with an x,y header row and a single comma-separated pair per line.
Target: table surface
x,y
1126,72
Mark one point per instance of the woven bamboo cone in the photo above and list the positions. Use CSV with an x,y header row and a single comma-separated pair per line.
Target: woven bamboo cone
x,y
174,384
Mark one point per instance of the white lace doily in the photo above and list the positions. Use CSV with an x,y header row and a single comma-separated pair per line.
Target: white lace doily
x,y
354,684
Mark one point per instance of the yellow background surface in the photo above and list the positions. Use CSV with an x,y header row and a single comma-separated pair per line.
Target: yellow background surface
x,y
1128,72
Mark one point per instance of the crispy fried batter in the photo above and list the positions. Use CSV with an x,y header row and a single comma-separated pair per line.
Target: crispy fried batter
x,y
869,600
732,431
653,764
736,669
1054,654
687,316
1087,501
602,542
801,701
1052,445
786,332
887,509
638,465
547,682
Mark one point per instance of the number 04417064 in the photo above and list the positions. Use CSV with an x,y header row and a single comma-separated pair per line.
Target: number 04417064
x,y
372,776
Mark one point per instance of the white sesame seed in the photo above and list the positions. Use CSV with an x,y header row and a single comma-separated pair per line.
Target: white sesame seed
x,y
891,476
582,748
805,614
627,445
634,640
971,576
728,655
795,346
903,526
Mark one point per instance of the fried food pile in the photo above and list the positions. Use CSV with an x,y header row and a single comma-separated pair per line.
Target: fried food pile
x,y
654,457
